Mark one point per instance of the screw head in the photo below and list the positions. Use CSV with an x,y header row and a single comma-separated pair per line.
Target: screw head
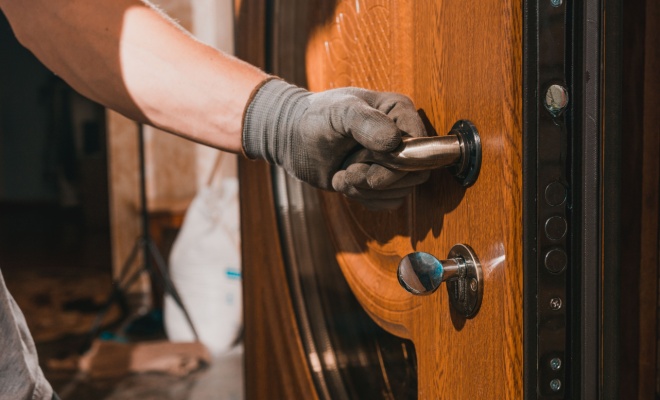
x,y
555,303
555,385
555,363
556,3
474,285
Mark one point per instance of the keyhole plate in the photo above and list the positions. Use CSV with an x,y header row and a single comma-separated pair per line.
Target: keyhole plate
x,y
465,294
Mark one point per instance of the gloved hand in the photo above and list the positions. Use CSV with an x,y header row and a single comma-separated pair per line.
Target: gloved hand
x,y
310,135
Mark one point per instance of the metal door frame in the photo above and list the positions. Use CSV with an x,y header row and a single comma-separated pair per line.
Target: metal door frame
x,y
572,44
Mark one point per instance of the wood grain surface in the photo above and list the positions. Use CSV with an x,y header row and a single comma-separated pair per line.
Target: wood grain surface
x,y
456,60
275,362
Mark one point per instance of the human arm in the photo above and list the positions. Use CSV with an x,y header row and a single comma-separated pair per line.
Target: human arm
x,y
127,55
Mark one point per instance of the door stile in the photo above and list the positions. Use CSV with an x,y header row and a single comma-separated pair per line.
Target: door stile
x,y
588,82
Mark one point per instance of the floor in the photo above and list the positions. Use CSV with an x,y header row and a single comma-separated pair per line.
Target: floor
x,y
59,273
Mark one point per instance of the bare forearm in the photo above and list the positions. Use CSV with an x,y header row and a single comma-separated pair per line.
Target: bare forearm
x,y
127,56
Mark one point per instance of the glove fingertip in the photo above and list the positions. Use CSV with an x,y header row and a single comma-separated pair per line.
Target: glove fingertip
x,y
339,181
373,129
379,177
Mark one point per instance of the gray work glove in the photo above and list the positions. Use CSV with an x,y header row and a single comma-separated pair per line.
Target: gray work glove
x,y
310,135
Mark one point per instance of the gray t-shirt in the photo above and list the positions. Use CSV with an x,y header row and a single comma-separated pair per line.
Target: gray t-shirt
x,y
21,377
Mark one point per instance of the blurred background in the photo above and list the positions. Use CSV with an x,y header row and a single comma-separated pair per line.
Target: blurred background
x,y
70,216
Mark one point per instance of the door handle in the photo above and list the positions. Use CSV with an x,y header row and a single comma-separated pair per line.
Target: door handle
x,y
459,150
422,274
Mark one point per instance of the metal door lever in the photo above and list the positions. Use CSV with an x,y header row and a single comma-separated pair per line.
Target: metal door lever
x,y
422,274
459,150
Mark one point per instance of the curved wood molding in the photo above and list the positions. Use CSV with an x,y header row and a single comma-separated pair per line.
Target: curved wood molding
x,y
275,363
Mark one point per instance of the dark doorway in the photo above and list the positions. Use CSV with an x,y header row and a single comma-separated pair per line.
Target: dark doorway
x,y
54,219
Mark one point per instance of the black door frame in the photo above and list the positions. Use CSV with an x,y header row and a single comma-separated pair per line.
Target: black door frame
x,y
575,150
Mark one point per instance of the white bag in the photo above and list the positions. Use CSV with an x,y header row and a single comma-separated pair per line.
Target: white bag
x,y
205,266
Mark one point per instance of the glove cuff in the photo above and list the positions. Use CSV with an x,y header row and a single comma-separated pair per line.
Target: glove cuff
x,y
269,119
247,107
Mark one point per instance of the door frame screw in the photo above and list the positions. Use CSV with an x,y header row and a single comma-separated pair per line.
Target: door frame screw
x,y
555,363
555,385
555,303
474,285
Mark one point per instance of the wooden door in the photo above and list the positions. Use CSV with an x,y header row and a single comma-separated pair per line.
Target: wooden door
x,y
456,60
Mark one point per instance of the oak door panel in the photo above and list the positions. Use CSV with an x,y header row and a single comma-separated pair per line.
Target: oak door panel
x,y
456,60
